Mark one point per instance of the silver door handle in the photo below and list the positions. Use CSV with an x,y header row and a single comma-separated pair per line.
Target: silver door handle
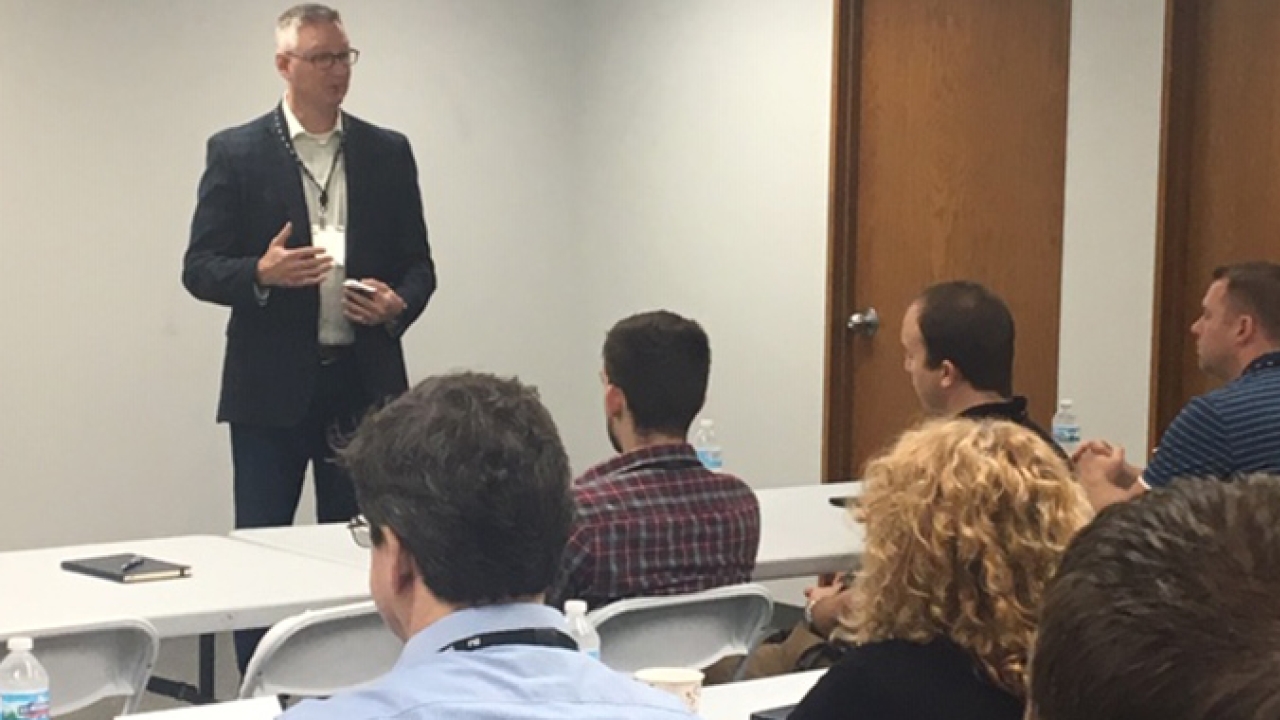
x,y
866,322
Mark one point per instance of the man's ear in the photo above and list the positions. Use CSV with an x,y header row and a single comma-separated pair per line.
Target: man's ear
x,y
615,401
1244,328
282,65
951,374
404,571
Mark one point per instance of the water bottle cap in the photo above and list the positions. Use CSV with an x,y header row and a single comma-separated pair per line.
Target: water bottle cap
x,y
705,423
1066,403
575,607
20,644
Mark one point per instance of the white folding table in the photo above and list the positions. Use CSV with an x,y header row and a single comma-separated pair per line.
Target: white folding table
x,y
736,701
801,534
329,541
263,708
233,586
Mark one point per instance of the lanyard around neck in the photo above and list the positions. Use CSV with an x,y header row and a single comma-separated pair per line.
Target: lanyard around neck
x,y
293,153
538,637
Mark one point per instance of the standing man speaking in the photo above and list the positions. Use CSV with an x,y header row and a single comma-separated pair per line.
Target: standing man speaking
x,y
309,226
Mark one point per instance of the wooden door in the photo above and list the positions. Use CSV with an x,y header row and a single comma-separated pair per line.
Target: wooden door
x,y
948,163
1220,194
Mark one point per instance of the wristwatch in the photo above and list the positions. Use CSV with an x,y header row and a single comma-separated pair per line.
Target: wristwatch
x,y
808,612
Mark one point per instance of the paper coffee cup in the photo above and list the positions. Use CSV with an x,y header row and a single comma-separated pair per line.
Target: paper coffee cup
x,y
684,683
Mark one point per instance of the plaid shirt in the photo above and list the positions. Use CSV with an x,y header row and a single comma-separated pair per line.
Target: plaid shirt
x,y
654,521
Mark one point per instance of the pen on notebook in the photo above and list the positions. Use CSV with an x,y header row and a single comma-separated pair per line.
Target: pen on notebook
x,y
131,563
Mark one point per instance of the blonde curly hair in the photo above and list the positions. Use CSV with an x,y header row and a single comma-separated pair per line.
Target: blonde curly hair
x,y
966,522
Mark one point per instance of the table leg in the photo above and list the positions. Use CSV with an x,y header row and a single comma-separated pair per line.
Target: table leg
x,y
198,694
207,663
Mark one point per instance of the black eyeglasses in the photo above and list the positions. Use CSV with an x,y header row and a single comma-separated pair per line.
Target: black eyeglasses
x,y
360,531
324,61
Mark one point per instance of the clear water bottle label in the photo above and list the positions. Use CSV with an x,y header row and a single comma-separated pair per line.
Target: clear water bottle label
x,y
1066,434
25,706
711,458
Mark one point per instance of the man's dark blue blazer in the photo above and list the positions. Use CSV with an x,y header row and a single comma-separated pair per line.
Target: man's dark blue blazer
x,y
250,188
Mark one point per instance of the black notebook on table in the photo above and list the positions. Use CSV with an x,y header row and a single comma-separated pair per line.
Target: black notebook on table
x,y
127,568
778,713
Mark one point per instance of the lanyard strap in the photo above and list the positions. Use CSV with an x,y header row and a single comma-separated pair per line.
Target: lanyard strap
x,y
540,637
293,152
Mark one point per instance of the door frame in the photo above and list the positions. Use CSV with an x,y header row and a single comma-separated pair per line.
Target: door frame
x,y
842,221
1169,317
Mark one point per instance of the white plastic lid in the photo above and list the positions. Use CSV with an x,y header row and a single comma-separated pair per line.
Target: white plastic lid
x,y
1066,403
19,644
575,607
705,423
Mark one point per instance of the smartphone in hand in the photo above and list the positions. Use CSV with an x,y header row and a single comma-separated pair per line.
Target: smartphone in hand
x,y
360,287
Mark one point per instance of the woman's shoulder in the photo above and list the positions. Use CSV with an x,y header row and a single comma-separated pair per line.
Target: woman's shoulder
x,y
911,680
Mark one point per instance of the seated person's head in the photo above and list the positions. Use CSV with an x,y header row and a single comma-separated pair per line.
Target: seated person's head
x,y
957,340
465,486
1167,608
966,522
655,373
1239,319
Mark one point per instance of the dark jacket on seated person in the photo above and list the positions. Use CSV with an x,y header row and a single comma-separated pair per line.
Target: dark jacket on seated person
x,y
901,680
1015,411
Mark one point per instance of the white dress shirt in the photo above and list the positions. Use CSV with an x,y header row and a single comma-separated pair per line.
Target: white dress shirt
x,y
317,151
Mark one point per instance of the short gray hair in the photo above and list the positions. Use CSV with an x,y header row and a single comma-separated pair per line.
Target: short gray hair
x,y
297,16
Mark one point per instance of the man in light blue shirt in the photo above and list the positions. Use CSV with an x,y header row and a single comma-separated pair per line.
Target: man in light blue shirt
x,y
464,486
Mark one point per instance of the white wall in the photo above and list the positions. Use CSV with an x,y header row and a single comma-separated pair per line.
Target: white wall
x,y
110,369
703,189
1108,264
581,160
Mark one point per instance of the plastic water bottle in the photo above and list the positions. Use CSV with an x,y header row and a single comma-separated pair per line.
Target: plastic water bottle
x,y
581,629
1066,428
24,684
708,449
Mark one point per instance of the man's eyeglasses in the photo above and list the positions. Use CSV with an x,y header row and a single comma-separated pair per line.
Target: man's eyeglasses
x,y
324,61
360,531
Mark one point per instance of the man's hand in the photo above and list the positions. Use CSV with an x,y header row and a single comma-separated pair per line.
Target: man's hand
x,y
817,593
824,607
377,308
291,267
1105,475
856,510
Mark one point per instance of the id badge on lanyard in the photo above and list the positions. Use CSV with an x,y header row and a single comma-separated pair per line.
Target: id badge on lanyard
x,y
333,240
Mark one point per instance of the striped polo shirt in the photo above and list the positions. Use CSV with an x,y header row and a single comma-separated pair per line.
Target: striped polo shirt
x,y
1230,432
